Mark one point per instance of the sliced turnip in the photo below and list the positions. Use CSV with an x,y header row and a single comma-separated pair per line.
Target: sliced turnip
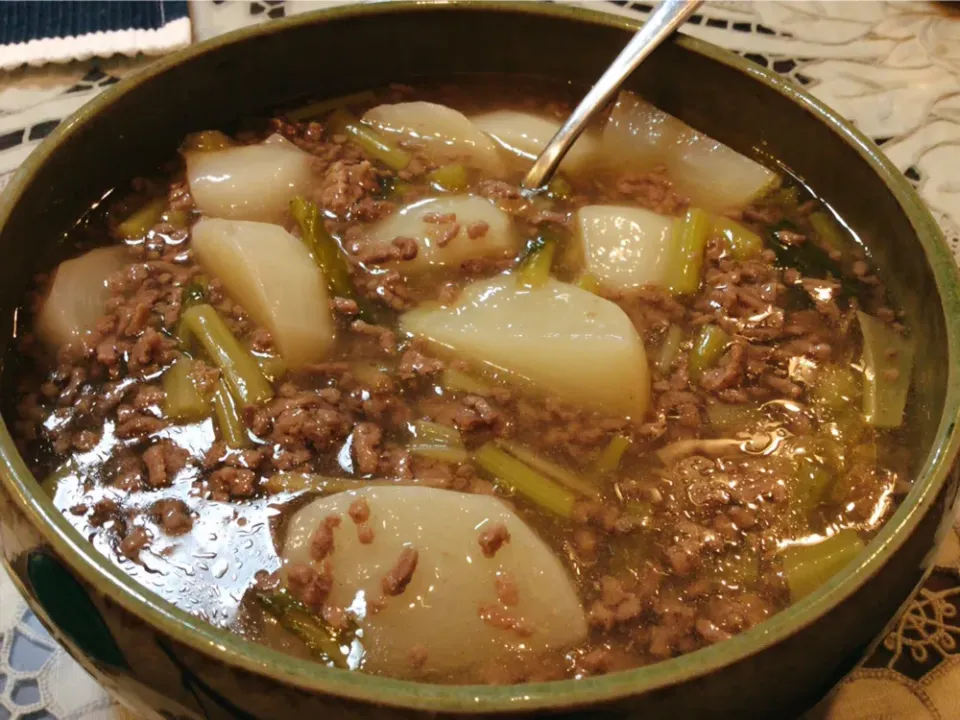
x,y
493,232
562,339
625,248
271,274
639,136
445,133
249,182
78,295
715,177
526,135
453,586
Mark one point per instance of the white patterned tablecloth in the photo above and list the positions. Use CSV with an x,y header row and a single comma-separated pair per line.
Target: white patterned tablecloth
x,y
893,68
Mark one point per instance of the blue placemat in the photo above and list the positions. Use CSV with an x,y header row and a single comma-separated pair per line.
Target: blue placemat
x,y
35,32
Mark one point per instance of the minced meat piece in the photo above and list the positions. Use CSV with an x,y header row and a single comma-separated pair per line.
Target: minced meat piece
x,y
366,447
174,516
397,578
359,510
164,460
493,538
321,542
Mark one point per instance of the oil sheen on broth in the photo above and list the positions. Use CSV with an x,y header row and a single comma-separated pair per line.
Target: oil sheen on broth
x,y
332,382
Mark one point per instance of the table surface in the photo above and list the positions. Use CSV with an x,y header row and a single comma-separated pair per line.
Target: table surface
x,y
892,68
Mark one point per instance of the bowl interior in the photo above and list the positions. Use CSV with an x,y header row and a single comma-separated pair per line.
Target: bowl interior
x,y
132,128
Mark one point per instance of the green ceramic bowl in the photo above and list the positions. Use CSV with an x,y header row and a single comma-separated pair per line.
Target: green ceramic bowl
x,y
158,657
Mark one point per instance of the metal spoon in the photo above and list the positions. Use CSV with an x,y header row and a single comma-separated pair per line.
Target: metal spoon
x,y
661,23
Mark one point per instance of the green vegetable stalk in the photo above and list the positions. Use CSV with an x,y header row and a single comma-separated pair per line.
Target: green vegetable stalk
x,y
708,347
451,178
369,140
690,235
669,349
609,459
242,374
297,619
524,480
229,422
182,398
806,567
550,469
887,371
744,244
138,223
534,268
438,442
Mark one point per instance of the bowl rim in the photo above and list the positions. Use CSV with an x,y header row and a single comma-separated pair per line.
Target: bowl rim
x,y
224,646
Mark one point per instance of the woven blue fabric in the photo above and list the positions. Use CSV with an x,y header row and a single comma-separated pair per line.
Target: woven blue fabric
x,y
24,20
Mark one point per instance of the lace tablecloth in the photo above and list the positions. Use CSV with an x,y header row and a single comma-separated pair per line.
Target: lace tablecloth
x,y
892,68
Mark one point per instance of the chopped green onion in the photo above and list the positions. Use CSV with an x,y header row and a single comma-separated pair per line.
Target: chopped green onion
x,y
812,482
887,370
534,268
432,432
609,459
551,469
232,430
139,222
524,480
690,235
451,178
708,347
588,282
177,219
453,379
669,349
807,567
207,141
444,453
243,377
835,387
183,400
297,619
299,482
273,367
322,107
193,294
325,249
369,140
744,244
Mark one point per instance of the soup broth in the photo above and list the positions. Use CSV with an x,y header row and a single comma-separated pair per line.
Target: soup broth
x,y
334,382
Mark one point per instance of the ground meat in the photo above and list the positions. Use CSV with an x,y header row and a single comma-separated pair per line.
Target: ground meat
x,y
345,306
500,619
321,541
364,533
652,190
415,364
231,483
309,586
173,515
387,338
493,538
508,592
397,578
359,511
343,184
418,656
477,413
366,447
729,370
478,229
406,246
164,460
131,545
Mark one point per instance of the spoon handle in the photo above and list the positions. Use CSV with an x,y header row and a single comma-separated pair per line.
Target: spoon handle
x,y
660,24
